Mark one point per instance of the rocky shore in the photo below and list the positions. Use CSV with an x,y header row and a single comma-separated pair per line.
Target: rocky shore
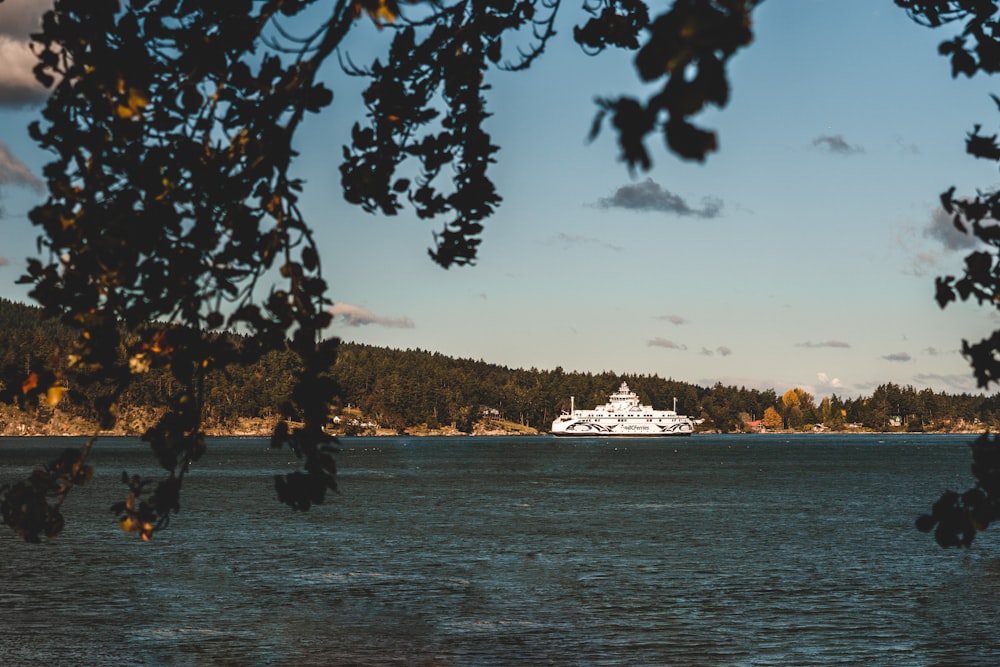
x,y
51,423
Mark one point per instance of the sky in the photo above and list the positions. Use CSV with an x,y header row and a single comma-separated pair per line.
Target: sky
x,y
802,254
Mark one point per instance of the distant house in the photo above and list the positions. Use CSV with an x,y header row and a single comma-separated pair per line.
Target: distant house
x,y
895,421
756,425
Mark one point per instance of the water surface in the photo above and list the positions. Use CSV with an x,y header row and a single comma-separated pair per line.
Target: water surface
x,y
709,550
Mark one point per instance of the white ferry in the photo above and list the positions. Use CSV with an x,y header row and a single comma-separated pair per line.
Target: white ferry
x,y
622,415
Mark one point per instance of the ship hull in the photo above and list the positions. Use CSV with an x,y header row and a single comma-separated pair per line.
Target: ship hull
x,y
591,429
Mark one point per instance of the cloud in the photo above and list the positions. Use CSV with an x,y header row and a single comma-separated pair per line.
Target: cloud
x,y
673,319
826,381
18,19
941,228
827,343
663,342
649,196
962,383
722,351
944,239
835,143
356,316
897,356
15,172
570,240
921,264
904,147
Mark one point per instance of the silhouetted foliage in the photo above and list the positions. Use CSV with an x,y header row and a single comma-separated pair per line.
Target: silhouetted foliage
x,y
32,507
171,208
689,46
956,518
171,126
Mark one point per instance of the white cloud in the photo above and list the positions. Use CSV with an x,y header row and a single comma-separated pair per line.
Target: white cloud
x,y
826,381
356,316
572,240
18,19
826,343
941,241
959,383
663,342
15,172
942,228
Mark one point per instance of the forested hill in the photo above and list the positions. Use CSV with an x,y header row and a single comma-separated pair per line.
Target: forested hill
x,y
401,389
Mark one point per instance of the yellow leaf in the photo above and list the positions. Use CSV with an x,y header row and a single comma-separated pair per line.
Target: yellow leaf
x,y
54,395
273,205
134,103
382,11
137,99
139,363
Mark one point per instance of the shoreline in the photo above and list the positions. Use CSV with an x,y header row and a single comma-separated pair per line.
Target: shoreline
x,y
454,433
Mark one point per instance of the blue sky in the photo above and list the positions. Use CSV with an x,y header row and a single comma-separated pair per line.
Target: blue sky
x,y
803,253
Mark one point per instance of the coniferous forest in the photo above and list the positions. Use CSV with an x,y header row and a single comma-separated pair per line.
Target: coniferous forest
x,y
394,391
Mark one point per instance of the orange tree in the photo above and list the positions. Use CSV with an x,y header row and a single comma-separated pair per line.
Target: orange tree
x,y
773,419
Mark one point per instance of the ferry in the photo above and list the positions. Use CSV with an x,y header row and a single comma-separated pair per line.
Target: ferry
x,y
622,415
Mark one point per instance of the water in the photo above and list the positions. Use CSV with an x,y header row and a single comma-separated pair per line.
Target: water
x,y
712,550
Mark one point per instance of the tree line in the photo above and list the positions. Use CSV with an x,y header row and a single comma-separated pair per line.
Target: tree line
x,y
400,389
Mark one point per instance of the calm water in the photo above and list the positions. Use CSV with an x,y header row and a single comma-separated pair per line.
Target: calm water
x,y
712,550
